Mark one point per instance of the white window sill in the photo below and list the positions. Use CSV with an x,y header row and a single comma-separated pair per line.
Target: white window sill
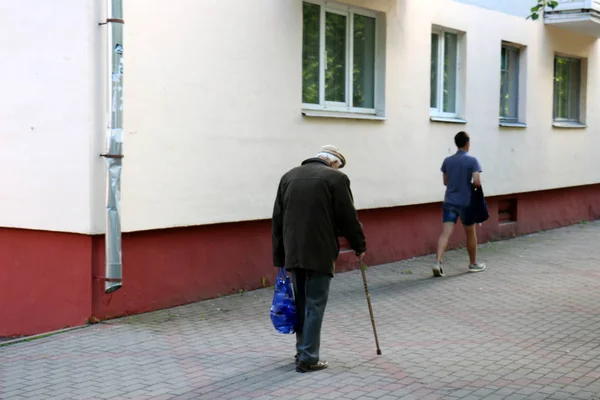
x,y
509,124
338,114
451,120
568,125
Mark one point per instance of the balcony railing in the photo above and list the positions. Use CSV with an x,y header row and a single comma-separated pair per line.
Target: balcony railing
x,y
581,16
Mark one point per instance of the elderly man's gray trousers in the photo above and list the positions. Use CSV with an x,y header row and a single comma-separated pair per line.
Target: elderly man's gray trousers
x,y
311,291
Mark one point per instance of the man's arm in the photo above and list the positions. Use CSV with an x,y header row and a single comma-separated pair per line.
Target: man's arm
x,y
443,169
476,173
477,179
346,217
277,229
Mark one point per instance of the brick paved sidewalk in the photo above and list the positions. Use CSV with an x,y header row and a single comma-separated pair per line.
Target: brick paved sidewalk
x,y
527,328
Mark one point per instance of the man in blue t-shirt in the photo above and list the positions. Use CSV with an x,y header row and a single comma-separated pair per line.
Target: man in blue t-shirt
x,y
460,170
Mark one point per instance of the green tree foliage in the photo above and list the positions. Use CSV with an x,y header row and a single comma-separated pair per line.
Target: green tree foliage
x,y
538,9
335,50
310,54
336,60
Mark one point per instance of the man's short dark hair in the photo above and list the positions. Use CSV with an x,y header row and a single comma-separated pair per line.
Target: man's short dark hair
x,y
461,139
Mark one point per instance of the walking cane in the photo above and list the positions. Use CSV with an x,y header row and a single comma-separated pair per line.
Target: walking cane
x,y
363,268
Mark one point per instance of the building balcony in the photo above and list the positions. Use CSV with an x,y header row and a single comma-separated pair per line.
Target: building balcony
x,y
581,16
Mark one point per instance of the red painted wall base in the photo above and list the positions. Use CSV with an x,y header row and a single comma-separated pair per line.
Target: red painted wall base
x,y
177,266
45,280
53,280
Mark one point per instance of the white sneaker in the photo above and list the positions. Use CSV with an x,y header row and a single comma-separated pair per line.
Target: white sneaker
x,y
477,267
438,270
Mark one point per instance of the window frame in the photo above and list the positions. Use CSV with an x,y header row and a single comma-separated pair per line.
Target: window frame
x,y
438,110
348,12
517,75
578,119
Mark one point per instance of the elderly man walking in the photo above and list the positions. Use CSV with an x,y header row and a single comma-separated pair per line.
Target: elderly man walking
x,y
314,206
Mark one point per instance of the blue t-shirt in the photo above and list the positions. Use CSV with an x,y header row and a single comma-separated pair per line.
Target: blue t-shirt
x,y
459,170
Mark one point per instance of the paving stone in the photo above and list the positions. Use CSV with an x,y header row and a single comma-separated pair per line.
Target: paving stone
x,y
525,328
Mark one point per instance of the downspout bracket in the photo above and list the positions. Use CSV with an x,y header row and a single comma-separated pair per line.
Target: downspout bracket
x,y
112,155
117,20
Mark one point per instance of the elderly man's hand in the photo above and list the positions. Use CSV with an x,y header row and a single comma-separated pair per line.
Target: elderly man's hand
x,y
361,257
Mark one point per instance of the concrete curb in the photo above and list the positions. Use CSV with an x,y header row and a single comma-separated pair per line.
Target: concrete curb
x,y
41,336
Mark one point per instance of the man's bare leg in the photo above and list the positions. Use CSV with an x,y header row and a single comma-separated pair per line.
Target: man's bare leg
x,y
443,240
441,248
471,243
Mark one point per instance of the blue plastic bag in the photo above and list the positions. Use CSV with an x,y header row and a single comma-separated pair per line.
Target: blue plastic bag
x,y
283,308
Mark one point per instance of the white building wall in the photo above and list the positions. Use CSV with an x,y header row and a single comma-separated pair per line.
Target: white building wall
x,y
520,8
48,113
214,111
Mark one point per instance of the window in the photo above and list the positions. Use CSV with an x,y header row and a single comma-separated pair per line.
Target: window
x,y
339,58
509,84
444,73
567,85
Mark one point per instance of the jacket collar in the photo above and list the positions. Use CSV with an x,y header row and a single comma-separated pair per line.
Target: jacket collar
x,y
314,160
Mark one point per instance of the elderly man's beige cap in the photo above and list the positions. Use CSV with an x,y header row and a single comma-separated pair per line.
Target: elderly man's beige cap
x,y
334,151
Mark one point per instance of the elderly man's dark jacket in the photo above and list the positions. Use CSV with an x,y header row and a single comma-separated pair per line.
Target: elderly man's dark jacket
x,y
314,206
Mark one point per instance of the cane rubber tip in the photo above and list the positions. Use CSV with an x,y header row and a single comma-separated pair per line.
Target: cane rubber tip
x,y
378,352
